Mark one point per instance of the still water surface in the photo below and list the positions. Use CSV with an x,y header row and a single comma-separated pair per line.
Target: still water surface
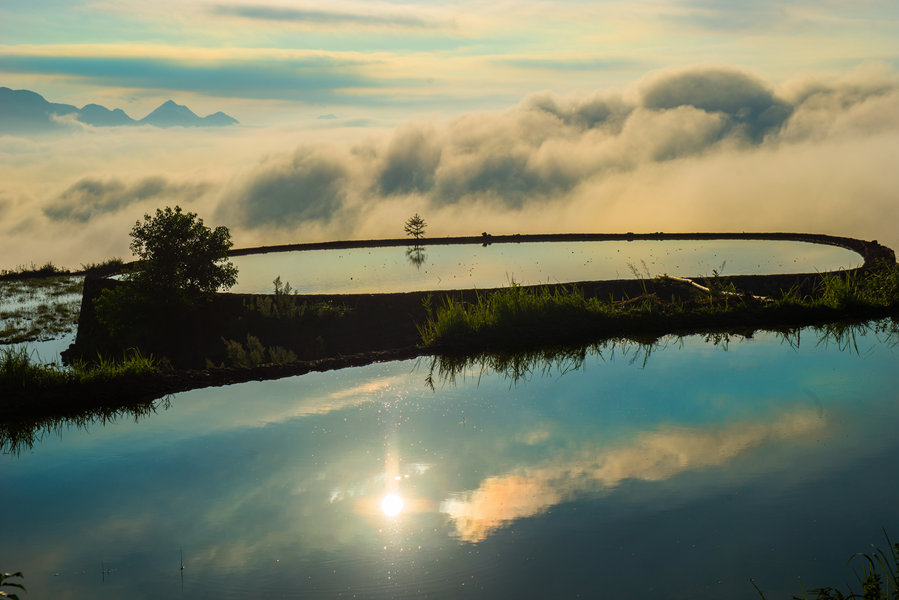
x,y
365,270
675,474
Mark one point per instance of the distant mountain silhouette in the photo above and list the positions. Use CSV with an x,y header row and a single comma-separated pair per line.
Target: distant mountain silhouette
x,y
170,114
24,111
100,116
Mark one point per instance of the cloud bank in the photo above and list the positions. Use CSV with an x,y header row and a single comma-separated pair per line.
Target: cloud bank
x,y
706,148
711,125
91,197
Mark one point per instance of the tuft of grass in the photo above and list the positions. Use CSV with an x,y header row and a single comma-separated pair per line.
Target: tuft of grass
x,y
109,266
877,287
20,373
282,304
515,313
255,354
517,316
33,271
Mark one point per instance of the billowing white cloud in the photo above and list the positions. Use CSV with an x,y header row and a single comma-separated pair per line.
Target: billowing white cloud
x,y
554,150
702,149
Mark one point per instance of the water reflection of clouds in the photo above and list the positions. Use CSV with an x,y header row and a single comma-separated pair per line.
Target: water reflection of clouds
x,y
282,400
652,456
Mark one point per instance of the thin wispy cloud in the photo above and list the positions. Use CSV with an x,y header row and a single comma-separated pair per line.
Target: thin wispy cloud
x,y
283,14
311,78
567,63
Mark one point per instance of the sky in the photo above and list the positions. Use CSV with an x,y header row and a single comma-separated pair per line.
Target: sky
x,y
506,117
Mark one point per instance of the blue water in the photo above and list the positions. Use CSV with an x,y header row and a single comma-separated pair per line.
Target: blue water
x,y
364,270
680,474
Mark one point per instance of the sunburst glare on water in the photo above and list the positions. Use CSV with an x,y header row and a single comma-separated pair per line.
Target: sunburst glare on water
x,y
391,505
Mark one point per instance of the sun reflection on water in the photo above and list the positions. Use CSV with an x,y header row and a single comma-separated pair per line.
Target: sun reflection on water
x,y
391,505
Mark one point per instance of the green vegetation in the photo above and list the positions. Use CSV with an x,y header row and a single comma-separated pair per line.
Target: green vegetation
x,y
520,317
280,319
19,372
179,255
182,263
878,287
282,304
255,354
32,271
513,315
6,583
110,266
879,579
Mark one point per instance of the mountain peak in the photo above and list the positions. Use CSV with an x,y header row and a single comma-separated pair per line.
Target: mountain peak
x,y
172,114
24,111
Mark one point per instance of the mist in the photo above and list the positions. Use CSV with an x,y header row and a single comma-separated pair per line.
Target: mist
x,y
705,148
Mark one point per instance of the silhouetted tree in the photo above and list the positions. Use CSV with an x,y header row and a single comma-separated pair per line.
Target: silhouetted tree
x,y
415,226
182,263
179,254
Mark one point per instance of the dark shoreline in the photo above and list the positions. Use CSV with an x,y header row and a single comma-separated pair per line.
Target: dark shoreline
x,y
869,251
383,327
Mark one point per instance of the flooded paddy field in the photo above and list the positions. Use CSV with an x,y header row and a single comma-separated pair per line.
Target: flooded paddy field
x,y
680,469
444,267
40,313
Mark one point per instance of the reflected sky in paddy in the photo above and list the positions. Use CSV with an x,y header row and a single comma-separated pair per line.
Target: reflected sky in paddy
x,y
683,476
363,270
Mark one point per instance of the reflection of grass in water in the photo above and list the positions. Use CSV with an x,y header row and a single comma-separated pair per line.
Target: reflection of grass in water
x,y
21,378
521,365
518,365
19,435
879,579
844,335
6,583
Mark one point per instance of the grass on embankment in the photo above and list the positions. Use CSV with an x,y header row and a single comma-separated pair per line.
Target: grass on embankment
x,y
518,316
20,374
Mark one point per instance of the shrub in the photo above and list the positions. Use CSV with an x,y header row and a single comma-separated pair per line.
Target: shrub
x,y
182,263
179,254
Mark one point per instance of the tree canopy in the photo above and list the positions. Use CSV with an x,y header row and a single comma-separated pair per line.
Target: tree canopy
x,y
178,253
